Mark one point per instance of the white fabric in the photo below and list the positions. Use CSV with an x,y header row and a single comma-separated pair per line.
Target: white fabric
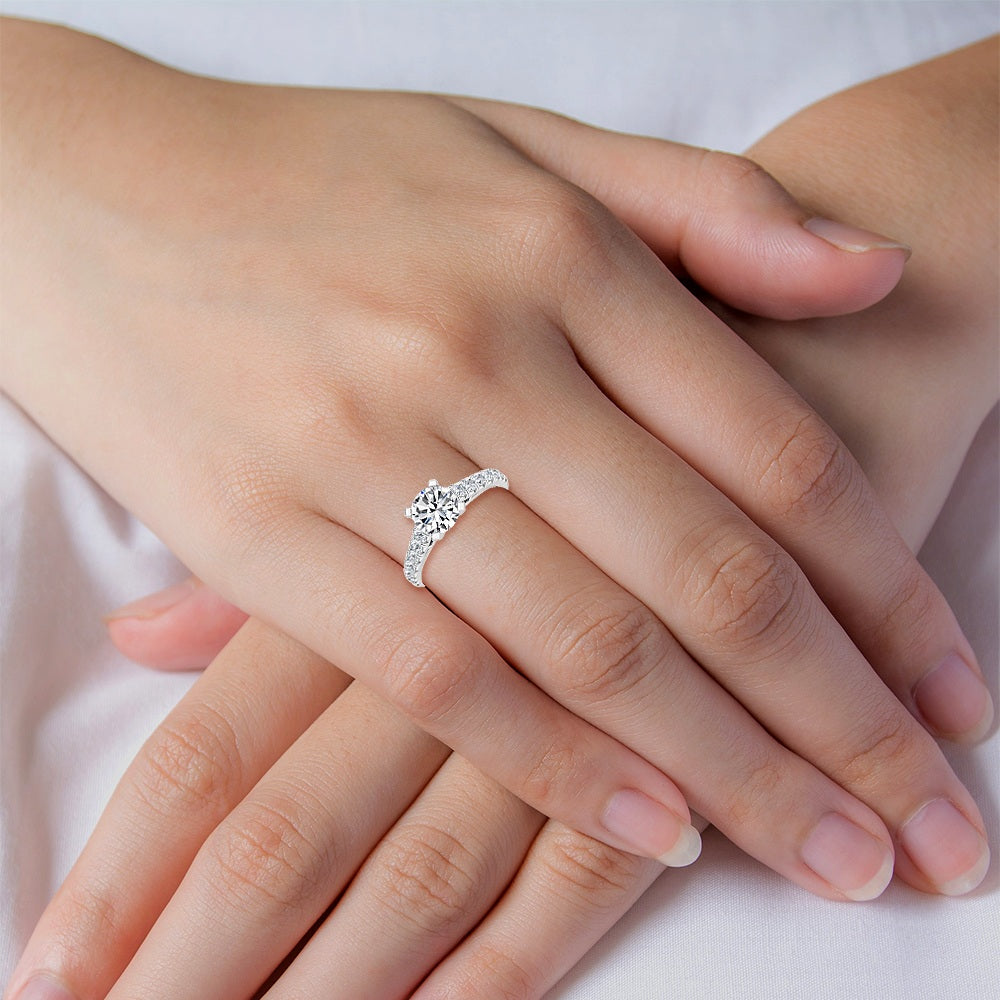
x,y
719,74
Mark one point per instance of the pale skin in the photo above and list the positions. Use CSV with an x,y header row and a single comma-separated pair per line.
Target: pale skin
x,y
499,814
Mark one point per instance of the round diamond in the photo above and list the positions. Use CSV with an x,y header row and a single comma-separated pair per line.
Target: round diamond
x,y
435,509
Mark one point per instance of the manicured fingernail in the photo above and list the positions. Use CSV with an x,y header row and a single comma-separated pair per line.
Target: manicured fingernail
x,y
954,700
849,858
651,829
946,847
155,604
850,238
43,988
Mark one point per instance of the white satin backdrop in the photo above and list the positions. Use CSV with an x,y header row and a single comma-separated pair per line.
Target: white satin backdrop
x,y
720,74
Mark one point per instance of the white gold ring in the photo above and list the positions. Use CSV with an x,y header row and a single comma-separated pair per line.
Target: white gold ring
x,y
435,509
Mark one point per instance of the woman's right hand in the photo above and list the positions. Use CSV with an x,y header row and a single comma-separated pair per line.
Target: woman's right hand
x,y
280,311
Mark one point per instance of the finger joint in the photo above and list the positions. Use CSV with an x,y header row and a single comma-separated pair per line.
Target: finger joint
x,y
264,856
191,763
807,473
604,648
427,878
589,875
747,596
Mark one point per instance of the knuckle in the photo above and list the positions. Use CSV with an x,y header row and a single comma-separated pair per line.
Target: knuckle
x,y
763,784
600,648
453,343
911,617
806,470
490,973
428,679
331,415
559,232
553,775
888,747
427,878
264,856
588,874
89,917
190,763
730,173
745,595
506,977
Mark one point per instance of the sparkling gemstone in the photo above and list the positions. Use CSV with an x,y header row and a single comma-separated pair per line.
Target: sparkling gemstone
x,y
435,509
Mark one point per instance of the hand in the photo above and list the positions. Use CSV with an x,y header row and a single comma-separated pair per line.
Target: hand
x,y
439,867
277,526
493,942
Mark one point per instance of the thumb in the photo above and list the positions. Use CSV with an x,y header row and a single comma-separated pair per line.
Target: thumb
x,y
719,218
181,628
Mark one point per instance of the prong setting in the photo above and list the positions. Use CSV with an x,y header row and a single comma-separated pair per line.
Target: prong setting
x,y
436,508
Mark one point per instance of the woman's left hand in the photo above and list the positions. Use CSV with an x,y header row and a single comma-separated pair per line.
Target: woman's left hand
x,y
441,873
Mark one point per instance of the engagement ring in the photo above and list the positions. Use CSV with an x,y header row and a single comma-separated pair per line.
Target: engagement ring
x,y
435,509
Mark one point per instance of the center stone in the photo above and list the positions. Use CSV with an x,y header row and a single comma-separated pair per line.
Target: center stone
x,y
435,509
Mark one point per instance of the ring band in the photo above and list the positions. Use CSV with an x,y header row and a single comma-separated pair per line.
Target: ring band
x,y
435,509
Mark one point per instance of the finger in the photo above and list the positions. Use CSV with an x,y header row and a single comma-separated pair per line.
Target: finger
x,y
339,592
426,885
734,597
755,439
181,628
744,610
591,645
276,862
569,891
719,217
257,697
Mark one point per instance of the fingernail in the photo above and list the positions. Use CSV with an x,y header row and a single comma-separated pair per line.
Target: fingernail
x,y
155,604
955,702
651,829
946,847
43,988
849,858
850,238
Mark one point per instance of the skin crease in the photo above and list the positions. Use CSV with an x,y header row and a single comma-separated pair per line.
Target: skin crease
x,y
799,353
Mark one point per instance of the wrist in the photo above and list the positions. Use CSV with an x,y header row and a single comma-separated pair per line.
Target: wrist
x,y
97,157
